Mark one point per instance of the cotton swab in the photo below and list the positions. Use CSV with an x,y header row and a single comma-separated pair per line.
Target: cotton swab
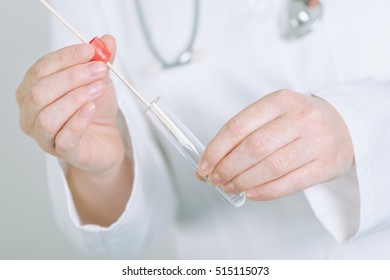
x,y
177,133
109,65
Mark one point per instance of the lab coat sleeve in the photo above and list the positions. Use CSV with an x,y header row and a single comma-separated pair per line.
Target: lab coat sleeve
x,y
151,208
357,204
148,212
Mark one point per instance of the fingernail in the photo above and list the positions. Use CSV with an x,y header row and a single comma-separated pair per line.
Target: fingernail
x,y
216,179
84,52
97,69
95,89
199,177
204,169
229,188
87,110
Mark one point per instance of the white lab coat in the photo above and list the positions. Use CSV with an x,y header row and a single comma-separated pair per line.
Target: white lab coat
x,y
241,57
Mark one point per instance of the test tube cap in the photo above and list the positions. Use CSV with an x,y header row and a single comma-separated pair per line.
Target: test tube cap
x,y
101,52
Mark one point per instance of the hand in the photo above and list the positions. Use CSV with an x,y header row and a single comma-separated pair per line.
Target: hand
x,y
68,105
282,144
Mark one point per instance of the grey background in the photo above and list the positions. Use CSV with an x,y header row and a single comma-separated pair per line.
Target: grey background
x,y
27,228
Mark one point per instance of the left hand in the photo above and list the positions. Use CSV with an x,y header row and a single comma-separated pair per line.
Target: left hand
x,y
281,144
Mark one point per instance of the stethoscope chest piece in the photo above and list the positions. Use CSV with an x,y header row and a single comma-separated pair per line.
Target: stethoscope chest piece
x,y
303,16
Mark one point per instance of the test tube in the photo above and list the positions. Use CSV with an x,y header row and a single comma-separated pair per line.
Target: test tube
x,y
186,143
177,133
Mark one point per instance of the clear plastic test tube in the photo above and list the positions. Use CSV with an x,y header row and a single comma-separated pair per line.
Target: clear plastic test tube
x,y
186,143
177,133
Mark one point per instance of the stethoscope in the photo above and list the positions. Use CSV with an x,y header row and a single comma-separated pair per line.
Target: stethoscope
x,y
303,16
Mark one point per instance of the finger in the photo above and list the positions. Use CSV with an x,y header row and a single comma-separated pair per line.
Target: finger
x,y
295,181
61,59
51,88
69,56
256,147
291,157
52,118
237,129
68,139
110,43
199,177
68,79
52,63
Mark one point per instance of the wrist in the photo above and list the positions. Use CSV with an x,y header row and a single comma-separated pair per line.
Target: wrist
x,y
101,196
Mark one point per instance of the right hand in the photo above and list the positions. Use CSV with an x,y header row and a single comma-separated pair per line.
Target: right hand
x,y
68,105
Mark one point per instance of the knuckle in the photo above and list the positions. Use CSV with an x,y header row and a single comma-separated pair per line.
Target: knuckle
x,y
37,70
36,96
74,129
286,98
45,124
282,94
236,127
257,146
311,114
280,100
223,172
63,146
61,57
78,98
240,184
74,75
57,57
276,165
78,74
69,139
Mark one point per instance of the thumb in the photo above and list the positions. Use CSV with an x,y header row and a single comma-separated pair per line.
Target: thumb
x,y
110,43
